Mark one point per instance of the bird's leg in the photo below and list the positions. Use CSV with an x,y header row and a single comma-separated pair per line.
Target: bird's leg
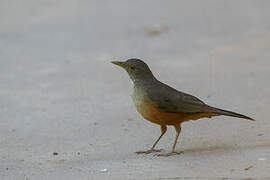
x,y
178,130
163,131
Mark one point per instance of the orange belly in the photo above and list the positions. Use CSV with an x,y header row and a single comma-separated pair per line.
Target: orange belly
x,y
150,112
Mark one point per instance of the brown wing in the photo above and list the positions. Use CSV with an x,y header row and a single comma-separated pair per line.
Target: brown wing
x,y
170,100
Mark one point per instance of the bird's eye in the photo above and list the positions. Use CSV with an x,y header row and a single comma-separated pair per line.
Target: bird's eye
x,y
132,67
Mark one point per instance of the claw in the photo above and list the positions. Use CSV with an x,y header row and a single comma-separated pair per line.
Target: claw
x,y
149,151
170,154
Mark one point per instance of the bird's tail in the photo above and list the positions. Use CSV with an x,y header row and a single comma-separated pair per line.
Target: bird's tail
x,y
230,113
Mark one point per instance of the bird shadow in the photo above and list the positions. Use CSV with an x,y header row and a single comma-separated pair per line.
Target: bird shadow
x,y
224,148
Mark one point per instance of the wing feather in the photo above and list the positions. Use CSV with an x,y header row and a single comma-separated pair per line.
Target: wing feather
x,y
173,101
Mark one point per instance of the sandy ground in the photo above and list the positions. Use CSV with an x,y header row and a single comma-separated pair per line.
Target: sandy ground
x,y
66,111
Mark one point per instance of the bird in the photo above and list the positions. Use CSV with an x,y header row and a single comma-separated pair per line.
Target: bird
x,y
164,105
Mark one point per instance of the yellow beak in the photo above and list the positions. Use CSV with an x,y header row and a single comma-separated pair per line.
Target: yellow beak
x,y
118,63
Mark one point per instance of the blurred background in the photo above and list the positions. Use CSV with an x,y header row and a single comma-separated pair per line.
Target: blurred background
x,y
66,111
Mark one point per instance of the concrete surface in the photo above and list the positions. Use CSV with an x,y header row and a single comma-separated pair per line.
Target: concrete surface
x,y
66,111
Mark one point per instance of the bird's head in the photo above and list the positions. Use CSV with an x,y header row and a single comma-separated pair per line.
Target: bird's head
x,y
136,69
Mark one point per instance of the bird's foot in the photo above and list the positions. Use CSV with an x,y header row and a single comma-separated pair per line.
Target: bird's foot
x,y
170,154
149,151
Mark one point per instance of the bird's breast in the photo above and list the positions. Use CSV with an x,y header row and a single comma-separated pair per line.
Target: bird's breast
x,y
144,105
138,97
